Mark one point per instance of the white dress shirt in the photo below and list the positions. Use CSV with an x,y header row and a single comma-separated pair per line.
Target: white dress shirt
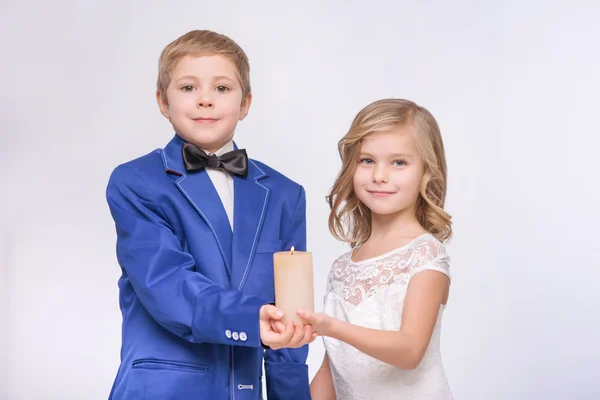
x,y
223,183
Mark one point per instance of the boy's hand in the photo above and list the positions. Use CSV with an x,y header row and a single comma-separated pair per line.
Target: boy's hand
x,y
275,334
278,326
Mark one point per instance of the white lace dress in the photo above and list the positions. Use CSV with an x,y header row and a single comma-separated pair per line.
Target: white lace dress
x,y
371,293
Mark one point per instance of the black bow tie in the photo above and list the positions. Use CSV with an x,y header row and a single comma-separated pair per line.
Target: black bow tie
x,y
195,159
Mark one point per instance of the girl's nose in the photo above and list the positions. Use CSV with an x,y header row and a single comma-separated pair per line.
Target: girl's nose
x,y
379,176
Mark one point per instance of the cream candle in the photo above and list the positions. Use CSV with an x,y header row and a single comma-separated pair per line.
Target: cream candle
x,y
294,287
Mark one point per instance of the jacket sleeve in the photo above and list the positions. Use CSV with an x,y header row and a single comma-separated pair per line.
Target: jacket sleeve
x,y
162,275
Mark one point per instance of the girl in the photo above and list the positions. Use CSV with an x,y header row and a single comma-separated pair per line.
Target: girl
x,y
385,298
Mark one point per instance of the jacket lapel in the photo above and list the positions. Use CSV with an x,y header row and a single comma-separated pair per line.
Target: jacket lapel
x,y
250,205
198,189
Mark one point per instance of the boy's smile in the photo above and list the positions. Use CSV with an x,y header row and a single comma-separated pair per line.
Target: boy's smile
x,y
204,101
205,120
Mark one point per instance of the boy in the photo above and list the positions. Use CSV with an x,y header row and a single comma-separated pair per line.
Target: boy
x,y
197,225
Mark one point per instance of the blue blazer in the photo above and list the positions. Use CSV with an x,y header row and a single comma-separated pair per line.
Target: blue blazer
x,y
191,290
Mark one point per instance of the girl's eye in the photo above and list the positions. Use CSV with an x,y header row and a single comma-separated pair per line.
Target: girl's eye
x,y
400,163
222,89
365,161
187,88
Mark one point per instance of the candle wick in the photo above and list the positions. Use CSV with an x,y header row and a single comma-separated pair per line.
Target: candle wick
x,y
292,250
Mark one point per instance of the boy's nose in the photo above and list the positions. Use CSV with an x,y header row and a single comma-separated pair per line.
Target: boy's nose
x,y
205,100
205,103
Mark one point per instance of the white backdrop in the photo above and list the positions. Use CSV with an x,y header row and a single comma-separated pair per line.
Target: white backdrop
x,y
513,85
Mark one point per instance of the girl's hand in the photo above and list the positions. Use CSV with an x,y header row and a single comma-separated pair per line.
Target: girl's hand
x,y
292,336
321,322
280,327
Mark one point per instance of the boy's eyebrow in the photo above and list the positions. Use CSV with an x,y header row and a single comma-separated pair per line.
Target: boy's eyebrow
x,y
194,78
224,77
189,77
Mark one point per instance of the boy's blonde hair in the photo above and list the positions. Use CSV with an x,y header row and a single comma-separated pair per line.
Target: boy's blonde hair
x,y
350,219
198,43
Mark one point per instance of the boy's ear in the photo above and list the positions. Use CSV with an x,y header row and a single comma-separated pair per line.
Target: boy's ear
x,y
162,104
245,107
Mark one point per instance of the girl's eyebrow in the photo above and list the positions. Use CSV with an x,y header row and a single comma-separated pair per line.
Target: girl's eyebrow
x,y
402,155
395,155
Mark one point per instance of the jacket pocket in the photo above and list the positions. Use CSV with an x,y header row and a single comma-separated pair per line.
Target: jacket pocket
x,y
152,363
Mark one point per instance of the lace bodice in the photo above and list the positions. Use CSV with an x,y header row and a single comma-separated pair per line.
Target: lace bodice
x,y
371,293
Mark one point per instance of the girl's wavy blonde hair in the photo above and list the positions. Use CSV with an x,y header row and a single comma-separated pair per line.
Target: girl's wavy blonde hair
x,y
350,219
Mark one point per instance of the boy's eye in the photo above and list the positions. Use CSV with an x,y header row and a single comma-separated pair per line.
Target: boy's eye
x,y
365,161
187,88
399,163
222,89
